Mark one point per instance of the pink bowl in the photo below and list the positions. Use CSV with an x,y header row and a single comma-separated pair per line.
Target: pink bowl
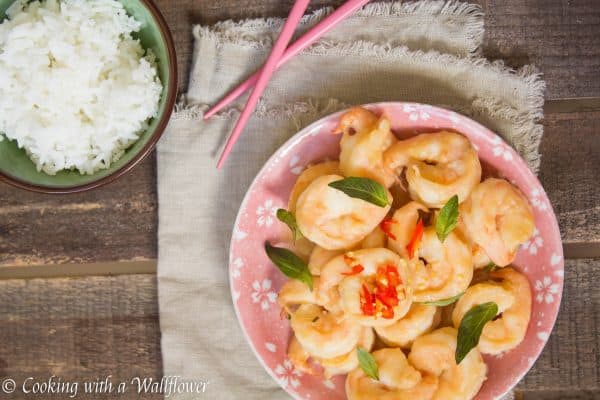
x,y
254,281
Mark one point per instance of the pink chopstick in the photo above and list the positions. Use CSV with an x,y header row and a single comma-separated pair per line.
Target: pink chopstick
x,y
306,40
265,74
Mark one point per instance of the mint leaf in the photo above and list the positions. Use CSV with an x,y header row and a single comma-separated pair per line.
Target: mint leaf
x,y
363,188
443,302
447,219
290,220
367,363
471,327
289,264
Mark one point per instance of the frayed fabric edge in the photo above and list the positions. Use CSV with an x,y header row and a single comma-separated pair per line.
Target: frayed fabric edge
x,y
241,32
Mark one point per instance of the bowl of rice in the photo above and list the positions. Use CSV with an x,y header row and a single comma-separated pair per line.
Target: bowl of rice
x,y
86,90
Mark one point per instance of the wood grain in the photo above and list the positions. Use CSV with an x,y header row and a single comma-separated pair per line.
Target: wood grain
x,y
562,38
569,172
116,222
571,359
82,328
560,395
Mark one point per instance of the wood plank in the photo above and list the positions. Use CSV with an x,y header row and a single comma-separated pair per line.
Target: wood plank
x,y
116,222
569,172
88,327
560,395
561,38
73,270
571,359
80,329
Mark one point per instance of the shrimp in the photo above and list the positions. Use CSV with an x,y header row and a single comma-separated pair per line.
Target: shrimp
x,y
498,218
448,269
433,353
365,138
512,294
332,219
321,256
398,380
321,333
294,293
340,365
300,357
402,227
377,238
378,294
331,366
420,319
309,175
346,363
438,166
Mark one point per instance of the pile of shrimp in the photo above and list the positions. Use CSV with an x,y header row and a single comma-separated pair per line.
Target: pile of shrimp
x,y
379,271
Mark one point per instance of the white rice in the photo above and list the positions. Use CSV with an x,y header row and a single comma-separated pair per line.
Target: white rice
x,y
76,89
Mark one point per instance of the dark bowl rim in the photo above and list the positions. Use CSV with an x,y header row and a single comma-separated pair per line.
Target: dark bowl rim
x,y
148,147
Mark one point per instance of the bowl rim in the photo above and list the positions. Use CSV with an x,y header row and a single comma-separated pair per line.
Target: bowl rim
x,y
167,38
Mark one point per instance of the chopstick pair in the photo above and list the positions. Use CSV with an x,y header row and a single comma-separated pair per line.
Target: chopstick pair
x,y
279,56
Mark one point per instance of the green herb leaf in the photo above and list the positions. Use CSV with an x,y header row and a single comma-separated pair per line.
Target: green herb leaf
x,y
443,302
289,264
491,267
290,220
367,363
363,188
447,218
471,326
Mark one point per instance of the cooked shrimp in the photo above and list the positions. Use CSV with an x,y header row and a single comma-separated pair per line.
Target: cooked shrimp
x,y
332,219
331,366
377,238
300,357
498,218
512,294
309,175
294,293
398,380
346,363
438,166
322,334
433,353
321,256
365,138
448,267
356,293
419,320
402,227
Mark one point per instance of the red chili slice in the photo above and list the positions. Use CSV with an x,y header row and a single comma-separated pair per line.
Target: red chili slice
x,y
386,227
366,301
416,239
357,269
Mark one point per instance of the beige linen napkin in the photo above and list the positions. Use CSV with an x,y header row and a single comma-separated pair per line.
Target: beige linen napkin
x,y
425,52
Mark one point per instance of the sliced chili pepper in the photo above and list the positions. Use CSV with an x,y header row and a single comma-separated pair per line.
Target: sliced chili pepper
x,y
366,301
392,275
388,295
416,239
386,227
387,312
357,269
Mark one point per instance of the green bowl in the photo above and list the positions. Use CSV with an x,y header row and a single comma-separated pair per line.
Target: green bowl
x,y
17,169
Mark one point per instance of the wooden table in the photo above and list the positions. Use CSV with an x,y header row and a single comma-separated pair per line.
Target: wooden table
x,y
78,293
